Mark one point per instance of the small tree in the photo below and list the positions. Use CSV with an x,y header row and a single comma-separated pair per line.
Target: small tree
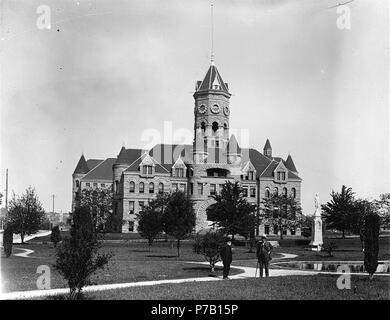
x,y
99,202
150,223
77,257
8,240
25,213
179,217
209,245
283,211
383,208
55,236
231,211
370,231
340,211
329,248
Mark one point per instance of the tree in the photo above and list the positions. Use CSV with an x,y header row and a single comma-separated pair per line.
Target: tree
x,y
231,211
78,257
370,232
179,217
99,202
283,211
150,223
340,211
55,236
25,213
383,208
209,245
8,240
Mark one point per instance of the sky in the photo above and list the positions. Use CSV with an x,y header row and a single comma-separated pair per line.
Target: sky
x,y
108,72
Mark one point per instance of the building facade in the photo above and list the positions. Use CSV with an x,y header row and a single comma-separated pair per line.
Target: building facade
x,y
200,169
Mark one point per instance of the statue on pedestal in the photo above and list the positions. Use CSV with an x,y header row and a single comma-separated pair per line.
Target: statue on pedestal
x,y
317,240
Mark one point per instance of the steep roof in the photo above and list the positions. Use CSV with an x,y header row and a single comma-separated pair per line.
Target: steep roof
x,y
158,167
167,154
128,156
212,77
290,164
102,171
233,146
267,145
92,163
82,166
259,161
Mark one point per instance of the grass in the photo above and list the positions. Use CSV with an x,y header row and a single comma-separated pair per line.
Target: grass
x,y
131,262
321,287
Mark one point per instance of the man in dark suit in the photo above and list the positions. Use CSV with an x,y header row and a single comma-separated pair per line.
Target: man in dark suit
x,y
263,253
227,257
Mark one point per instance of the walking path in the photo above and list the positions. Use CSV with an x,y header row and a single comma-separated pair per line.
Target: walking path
x,y
248,272
25,254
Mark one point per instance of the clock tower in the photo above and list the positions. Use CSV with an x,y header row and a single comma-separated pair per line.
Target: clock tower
x,y
211,126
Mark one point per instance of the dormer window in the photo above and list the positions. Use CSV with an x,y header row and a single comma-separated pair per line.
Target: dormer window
x,y
280,173
147,169
179,172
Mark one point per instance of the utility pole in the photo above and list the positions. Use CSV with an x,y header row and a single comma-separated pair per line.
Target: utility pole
x,y
53,196
6,191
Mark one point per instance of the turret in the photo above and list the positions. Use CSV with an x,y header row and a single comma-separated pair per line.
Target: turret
x,y
267,151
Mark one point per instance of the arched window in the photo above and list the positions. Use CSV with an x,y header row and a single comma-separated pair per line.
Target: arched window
x,y
276,191
294,193
285,192
77,183
203,126
132,186
151,187
225,125
214,126
160,187
116,186
141,187
267,193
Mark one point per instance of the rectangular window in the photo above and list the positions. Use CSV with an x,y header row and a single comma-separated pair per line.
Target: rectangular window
x,y
95,184
141,205
88,184
266,229
283,175
183,187
191,188
217,144
131,226
179,172
144,170
131,207
245,192
220,188
213,189
174,186
253,192
200,189
150,169
278,176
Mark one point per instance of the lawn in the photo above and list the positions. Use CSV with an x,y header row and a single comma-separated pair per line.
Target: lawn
x,y
131,262
321,287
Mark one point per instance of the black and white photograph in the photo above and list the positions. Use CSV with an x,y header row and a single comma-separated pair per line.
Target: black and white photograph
x,y
195,151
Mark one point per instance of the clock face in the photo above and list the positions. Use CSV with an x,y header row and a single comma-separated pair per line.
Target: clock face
x,y
226,110
215,108
202,108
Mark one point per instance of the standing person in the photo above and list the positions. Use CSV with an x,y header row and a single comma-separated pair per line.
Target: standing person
x,y
227,257
263,253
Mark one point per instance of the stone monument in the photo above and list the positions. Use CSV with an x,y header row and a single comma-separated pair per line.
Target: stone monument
x,y
316,236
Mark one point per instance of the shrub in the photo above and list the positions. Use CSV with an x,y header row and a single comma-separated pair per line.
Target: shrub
x,y
55,236
329,247
371,242
77,257
209,245
8,236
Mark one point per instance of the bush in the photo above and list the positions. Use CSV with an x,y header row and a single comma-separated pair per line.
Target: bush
x,y
209,246
77,257
371,242
329,247
55,236
8,236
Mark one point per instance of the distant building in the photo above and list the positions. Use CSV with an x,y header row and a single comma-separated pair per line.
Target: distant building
x,y
200,169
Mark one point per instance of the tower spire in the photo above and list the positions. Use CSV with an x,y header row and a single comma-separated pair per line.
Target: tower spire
x,y
212,34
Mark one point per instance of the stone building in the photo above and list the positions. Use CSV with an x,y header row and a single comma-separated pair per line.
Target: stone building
x,y
199,169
